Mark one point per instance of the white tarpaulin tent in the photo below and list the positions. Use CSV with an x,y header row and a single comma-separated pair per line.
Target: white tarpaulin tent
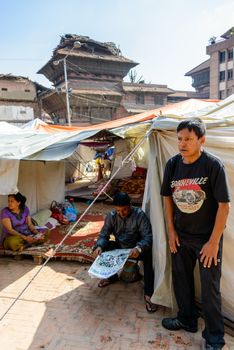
x,y
32,162
55,146
163,145
37,141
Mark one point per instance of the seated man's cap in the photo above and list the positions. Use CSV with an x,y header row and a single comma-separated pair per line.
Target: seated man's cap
x,y
121,199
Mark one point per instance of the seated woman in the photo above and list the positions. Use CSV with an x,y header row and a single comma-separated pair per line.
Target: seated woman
x,y
18,230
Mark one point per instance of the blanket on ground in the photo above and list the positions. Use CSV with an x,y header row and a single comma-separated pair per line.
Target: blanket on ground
x,y
77,246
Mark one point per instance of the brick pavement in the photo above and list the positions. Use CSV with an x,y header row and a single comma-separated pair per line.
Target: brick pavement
x,y
64,309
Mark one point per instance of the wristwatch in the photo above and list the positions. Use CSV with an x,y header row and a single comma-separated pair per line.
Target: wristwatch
x,y
139,249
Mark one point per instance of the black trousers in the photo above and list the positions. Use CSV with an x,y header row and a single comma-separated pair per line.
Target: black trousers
x,y
183,263
146,257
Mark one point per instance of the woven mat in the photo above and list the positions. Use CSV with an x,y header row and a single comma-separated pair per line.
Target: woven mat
x,y
77,246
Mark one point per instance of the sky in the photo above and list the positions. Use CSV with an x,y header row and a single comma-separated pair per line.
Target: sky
x,y
166,37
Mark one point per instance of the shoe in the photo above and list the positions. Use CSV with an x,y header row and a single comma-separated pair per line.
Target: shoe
x,y
150,307
174,324
107,281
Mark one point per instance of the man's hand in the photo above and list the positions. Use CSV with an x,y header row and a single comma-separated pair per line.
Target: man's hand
x,y
134,253
173,241
97,251
209,254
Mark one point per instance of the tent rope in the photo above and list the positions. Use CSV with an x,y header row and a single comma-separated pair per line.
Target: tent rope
x,y
124,161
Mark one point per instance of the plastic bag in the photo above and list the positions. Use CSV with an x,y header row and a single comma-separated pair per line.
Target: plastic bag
x,y
57,213
70,211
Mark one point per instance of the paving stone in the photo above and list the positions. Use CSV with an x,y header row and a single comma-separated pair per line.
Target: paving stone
x,y
63,309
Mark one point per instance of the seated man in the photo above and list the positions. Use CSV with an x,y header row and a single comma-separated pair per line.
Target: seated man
x,y
131,229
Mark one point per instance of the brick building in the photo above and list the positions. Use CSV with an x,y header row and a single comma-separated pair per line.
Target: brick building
x,y
18,99
140,97
95,90
95,73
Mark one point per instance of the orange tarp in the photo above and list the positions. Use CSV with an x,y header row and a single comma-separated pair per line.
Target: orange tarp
x,y
184,106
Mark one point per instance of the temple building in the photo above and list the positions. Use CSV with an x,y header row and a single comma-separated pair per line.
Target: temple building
x,y
95,73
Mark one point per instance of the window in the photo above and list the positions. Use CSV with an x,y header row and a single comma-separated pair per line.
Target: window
x,y
222,56
202,78
140,99
22,112
229,74
222,95
222,75
158,100
230,54
4,89
26,90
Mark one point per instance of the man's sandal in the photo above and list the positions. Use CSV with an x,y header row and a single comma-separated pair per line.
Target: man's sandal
x,y
105,282
150,307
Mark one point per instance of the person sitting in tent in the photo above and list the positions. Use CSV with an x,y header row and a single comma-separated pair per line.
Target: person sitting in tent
x,y
131,229
18,230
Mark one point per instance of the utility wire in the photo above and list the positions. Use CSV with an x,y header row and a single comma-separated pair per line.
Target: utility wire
x,y
85,71
88,99
104,87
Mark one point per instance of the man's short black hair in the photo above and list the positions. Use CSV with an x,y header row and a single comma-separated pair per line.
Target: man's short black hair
x,y
121,199
195,124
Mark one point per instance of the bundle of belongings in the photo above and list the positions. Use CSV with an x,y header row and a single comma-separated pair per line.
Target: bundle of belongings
x,y
134,185
58,214
64,212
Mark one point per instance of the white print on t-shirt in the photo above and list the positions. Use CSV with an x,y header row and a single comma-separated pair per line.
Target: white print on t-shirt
x,y
188,195
185,182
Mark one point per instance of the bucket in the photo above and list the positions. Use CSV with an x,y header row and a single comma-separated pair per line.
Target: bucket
x,y
130,271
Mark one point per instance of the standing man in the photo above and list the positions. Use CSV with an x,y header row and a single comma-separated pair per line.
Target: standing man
x,y
131,228
196,200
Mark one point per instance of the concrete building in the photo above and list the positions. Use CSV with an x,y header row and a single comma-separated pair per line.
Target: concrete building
x,y
18,99
216,74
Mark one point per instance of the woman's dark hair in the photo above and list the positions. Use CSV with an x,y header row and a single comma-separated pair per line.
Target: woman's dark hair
x,y
19,198
195,124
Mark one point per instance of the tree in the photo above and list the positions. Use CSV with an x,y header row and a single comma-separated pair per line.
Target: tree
x,y
212,40
232,31
133,77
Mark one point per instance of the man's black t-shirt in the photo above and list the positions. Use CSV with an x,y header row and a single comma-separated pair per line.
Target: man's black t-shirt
x,y
196,189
